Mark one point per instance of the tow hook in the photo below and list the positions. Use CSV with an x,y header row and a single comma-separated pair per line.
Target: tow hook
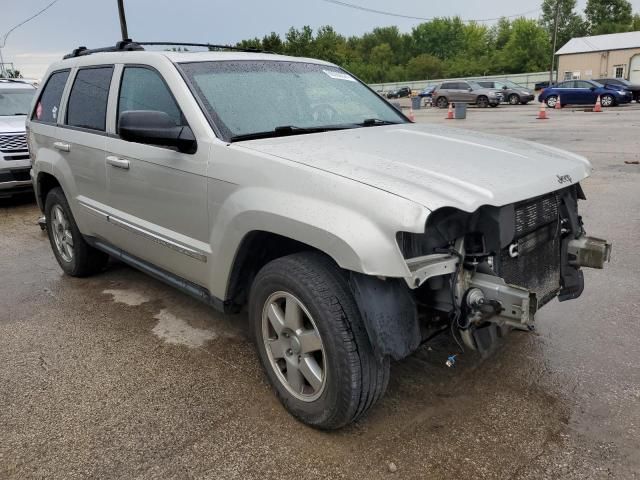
x,y
588,252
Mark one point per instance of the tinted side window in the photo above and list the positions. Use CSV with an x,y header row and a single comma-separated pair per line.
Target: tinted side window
x,y
447,86
87,106
582,84
462,86
49,104
144,89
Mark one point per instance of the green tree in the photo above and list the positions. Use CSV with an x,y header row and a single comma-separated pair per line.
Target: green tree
x,y
424,67
299,42
608,16
441,37
570,23
273,43
329,45
253,43
528,48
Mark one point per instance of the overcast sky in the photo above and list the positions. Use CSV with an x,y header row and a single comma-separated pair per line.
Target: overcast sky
x,y
94,23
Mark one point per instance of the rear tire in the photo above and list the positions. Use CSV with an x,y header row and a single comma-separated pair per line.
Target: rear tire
x,y
348,379
74,255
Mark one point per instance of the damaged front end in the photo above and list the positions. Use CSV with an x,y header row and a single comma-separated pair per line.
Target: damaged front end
x,y
491,270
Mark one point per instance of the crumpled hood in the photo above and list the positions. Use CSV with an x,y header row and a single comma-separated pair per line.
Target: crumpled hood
x,y
12,124
432,165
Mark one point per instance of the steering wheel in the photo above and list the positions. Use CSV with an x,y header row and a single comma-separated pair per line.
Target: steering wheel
x,y
324,113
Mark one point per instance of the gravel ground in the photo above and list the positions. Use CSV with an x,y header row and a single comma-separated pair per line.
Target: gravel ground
x,y
120,376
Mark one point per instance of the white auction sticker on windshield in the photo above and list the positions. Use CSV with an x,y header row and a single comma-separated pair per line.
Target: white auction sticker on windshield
x,y
339,75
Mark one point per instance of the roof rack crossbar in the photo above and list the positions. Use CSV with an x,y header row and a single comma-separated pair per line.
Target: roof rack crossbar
x,y
123,45
206,45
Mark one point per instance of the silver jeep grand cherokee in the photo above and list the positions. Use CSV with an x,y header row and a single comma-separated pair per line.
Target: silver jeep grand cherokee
x,y
16,96
286,186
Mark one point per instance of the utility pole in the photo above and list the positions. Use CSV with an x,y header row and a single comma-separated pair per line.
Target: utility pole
x,y
555,39
123,20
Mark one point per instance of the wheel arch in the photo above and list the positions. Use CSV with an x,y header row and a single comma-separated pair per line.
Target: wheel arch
x,y
45,182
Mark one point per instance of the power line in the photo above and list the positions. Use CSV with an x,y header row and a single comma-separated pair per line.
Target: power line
x,y
4,39
411,17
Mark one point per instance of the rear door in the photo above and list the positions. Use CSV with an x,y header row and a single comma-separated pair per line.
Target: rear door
x,y
81,140
565,92
157,194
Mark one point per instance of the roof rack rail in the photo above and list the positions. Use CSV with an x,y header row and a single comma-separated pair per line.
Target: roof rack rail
x,y
129,45
206,45
121,46
13,80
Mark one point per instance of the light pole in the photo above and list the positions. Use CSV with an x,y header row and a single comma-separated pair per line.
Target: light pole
x,y
555,38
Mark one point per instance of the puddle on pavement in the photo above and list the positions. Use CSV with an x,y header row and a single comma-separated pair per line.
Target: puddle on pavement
x,y
170,328
128,297
175,330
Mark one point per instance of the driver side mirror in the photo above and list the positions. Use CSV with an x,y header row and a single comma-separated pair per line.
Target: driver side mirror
x,y
155,128
504,87
470,89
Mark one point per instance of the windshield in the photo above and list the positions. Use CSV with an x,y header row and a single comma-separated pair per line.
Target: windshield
x,y
511,84
15,101
251,97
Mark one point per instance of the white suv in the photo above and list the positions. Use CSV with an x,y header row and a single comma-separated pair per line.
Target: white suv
x,y
15,100
287,187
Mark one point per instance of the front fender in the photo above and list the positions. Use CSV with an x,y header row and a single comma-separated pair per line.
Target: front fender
x,y
357,241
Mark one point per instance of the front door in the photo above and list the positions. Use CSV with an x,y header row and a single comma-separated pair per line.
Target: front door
x,y
157,195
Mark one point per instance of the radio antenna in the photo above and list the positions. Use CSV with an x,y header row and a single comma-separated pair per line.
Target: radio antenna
x,y
123,20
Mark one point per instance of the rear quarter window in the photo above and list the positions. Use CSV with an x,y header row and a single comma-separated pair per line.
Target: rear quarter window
x,y
48,105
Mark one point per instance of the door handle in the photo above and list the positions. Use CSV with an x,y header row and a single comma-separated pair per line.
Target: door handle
x,y
63,147
118,162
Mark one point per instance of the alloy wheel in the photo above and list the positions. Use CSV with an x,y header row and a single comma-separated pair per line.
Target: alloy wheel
x,y
294,347
61,232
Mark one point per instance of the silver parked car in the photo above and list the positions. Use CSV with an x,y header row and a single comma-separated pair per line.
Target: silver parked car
x,y
512,93
349,234
466,91
16,97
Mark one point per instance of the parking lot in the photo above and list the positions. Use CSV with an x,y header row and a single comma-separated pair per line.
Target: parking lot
x,y
120,376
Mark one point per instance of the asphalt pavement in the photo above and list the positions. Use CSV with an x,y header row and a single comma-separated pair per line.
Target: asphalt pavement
x,y
120,376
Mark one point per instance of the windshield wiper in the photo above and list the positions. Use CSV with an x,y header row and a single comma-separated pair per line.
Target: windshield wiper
x,y
287,130
372,122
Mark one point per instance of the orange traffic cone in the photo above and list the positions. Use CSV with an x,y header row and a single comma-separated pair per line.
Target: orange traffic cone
x,y
412,117
598,105
450,112
542,114
558,104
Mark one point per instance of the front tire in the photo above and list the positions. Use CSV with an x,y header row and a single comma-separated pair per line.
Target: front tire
x,y
482,101
607,100
514,99
312,342
74,255
551,101
442,102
